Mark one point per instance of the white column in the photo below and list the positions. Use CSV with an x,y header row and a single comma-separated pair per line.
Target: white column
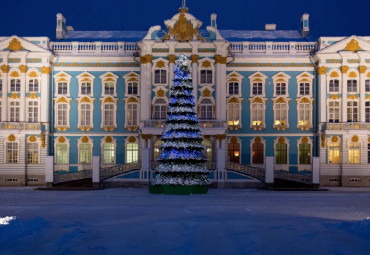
x,y
4,103
145,88
49,170
45,90
145,160
220,159
220,87
194,59
22,103
344,95
322,94
269,171
362,96
171,59
315,171
96,171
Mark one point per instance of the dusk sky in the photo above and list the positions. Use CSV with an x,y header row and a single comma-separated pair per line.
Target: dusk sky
x,y
327,17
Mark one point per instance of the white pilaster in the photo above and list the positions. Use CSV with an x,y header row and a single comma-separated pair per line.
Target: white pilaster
x,y
322,97
194,74
45,90
4,103
171,74
221,89
22,103
220,159
344,97
145,160
145,88
362,97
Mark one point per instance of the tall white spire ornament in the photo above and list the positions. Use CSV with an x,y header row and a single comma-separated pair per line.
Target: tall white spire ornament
x,y
183,8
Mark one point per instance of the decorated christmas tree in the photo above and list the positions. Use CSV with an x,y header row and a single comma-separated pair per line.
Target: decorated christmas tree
x,y
181,167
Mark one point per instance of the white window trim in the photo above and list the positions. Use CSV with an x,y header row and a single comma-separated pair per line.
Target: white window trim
x,y
304,167
10,100
85,77
211,67
287,101
330,76
6,141
251,102
284,167
90,101
200,99
64,167
234,77
38,108
240,101
132,100
62,77
304,77
62,100
79,143
138,149
132,77
328,142
28,78
102,142
304,100
109,100
108,77
358,108
17,77
281,78
38,142
340,109
257,77
252,141
165,67
349,141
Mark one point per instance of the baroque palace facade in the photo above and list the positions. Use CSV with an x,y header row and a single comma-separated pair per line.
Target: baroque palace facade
x,y
270,93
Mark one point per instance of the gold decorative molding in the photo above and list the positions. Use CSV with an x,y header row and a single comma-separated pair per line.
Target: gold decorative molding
x,y
206,93
353,45
334,97
108,128
304,139
233,100
194,59
172,58
323,140
109,100
160,93
352,97
281,100
108,139
257,100
334,74
86,100
11,138
5,68
368,75
206,64
15,45
146,137
160,64
223,137
220,59
62,128
354,139
132,139
352,74
85,139
362,69
367,97
42,136
32,96
132,128
257,139
132,100
14,96
61,139
23,68
85,128
344,69
183,30
33,74
334,139
368,139
147,59
63,100
14,74
46,70
322,70
281,140
32,139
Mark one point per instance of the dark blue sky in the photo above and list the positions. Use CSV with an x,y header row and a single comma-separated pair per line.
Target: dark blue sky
x,y
327,17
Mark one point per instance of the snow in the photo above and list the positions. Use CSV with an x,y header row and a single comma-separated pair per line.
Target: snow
x,y
132,221
260,34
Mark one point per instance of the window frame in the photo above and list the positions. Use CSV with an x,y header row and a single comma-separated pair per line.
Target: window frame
x,y
257,77
84,78
206,64
110,141
131,78
28,101
105,101
279,78
159,64
60,101
17,110
59,78
339,111
38,150
16,159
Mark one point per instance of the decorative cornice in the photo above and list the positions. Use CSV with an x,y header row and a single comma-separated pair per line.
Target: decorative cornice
x,y
344,69
147,59
194,58
45,70
5,68
172,58
321,70
220,59
23,68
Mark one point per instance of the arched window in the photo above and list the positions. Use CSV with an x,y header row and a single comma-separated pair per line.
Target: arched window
x,y
86,114
233,114
304,114
32,153
333,111
108,114
62,114
206,109
334,153
132,153
156,150
258,153
208,151
234,152
281,114
85,153
132,114
12,152
258,114
160,109
354,153
352,111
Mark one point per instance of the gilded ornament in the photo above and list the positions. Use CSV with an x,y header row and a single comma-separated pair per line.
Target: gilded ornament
x,y
352,74
62,100
148,59
42,136
32,139
257,139
352,97
86,100
85,139
108,128
235,79
334,97
280,80
61,74
14,96
368,75
14,74
233,100
281,75
33,74
132,139
206,93
32,96
368,139
281,100
334,139
220,59
304,80
61,139
47,70
323,140
355,139
257,80
304,139
257,100
206,64
109,100
183,30
133,100
344,69
305,75
109,79
108,139
23,68
172,58
334,75
367,97
362,69
15,45
322,70
11,138
160,64
353,45
146,137
194,59
281,140
160,93
305,100
132,79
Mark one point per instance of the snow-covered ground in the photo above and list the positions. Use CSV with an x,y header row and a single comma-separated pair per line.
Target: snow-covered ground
x,y
132,221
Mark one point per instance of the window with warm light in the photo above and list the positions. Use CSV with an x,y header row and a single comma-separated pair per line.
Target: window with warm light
x,y
233,114
32,153
281,110
61,153
85,153
258,114
354,153
132,153
109,152
334,153
304,114
12,153
257,153
234,152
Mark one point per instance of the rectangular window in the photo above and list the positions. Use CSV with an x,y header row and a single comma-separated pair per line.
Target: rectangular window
x,y
15,85
62,154
367,85
108,153
33,111
233,88
206,112
62,88
368,153
257,114
367,111
354,153
352,111
206,77
108,115
132,153
1,85
86,88
85,153
233,114
334,85
257,88
33,85
14,111
160,76
281,114
85,115
132,88
12,153
352,86
109,88
33,153
257,153
132,114
280,89
304,114
234,152
334,155
281,153
62,119
304,88
305,154
333,111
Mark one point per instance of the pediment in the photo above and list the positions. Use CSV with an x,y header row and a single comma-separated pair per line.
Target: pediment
x,y
15,44
350,44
